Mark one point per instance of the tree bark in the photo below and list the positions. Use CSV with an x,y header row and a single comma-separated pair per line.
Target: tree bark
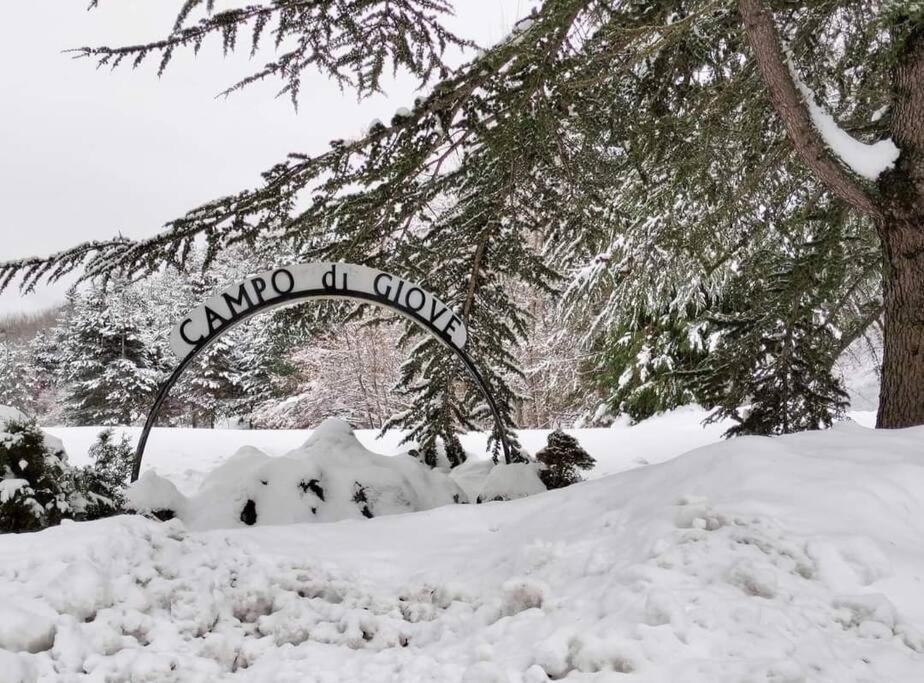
x,y
901,229
901,395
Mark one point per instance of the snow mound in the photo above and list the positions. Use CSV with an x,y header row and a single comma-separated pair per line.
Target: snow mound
x,y
23,629
15,669
331,477
9,414
798,558
151,493
509,482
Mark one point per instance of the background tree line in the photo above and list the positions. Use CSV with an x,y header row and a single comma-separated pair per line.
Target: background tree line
x,y
99,359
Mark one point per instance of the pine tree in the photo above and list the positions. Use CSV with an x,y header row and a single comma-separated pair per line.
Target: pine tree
x,y
773,370
17,376
650,150
562,458
103,482
36,484
105,359
649,364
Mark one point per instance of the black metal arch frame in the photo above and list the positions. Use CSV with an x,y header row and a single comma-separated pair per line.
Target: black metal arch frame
x,y
307,295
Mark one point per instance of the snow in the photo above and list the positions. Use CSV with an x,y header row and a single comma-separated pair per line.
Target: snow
x,y
523,25
470,476
9,414
10,487
153,493
187,456
80,590
23,629
509,482
866,160
15,669
799,558
331,477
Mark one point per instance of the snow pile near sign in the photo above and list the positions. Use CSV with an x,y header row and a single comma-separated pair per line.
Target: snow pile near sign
x,y
330,477
509,482
793,559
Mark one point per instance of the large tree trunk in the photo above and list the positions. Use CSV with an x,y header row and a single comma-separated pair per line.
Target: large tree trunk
x,y
901,396
901,229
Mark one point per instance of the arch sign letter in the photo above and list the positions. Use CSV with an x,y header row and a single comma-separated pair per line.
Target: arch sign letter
x,y
300,282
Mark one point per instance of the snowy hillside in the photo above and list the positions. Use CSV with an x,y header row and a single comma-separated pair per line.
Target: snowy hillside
x,y
793,559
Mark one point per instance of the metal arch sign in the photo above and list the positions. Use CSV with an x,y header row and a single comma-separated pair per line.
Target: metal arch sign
x,y
301,282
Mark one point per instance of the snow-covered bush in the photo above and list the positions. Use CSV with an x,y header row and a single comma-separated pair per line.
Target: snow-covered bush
x,y
103,483
332,476
154,496
561,459
37,486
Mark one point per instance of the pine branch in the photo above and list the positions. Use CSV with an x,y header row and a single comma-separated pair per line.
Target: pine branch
x,y
351,41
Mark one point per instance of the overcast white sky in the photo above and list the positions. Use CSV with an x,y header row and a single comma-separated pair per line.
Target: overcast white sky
x,y
87,154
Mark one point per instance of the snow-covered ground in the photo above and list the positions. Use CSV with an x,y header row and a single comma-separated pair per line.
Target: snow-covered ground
x,y
186,456
793,559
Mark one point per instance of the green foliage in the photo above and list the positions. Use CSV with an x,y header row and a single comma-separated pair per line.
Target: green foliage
x,y
649,363
17,376
36,484
355,42
38,488
562,458
106,360
773,369
103,482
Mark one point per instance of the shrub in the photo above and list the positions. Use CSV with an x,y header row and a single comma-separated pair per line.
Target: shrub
x,y
37,486
103,483
561,458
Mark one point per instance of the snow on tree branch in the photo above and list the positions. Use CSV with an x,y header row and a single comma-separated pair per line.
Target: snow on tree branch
x,y
864,159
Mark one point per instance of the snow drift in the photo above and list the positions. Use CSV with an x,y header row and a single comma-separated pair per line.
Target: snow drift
x,y
793,559
330,477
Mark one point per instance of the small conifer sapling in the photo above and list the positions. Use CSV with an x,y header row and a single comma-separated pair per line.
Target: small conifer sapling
x,y
561,459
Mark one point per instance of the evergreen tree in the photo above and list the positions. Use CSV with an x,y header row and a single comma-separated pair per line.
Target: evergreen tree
x,y
36,484
106,358
651,149
562,458
773,370
17,376
103,482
